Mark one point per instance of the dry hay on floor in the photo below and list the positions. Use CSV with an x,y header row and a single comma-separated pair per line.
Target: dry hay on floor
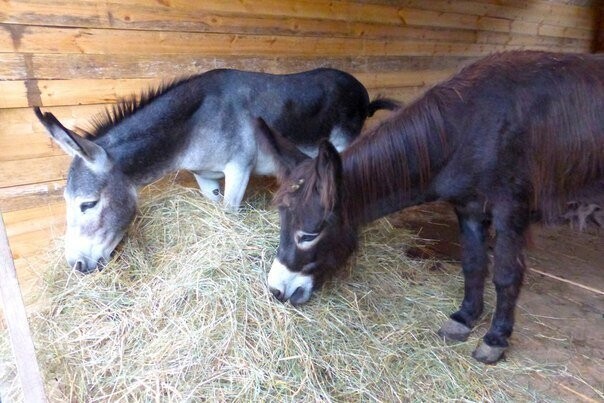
x,y
182,313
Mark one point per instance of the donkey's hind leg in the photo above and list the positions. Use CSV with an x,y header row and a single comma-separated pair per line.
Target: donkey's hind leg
x,y
210,188
236,178
511,220
473,223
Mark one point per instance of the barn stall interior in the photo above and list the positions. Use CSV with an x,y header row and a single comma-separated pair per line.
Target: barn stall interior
x,y
76,58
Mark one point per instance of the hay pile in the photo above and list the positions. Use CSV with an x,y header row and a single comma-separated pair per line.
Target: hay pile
x,y
183,314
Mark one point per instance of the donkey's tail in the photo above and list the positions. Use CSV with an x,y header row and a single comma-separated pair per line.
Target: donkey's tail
x,y
382,103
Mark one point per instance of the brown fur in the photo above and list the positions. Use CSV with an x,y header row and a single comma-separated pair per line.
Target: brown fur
x,y
509,134
550,113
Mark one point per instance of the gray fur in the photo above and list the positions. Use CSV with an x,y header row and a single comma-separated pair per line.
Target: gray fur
x,y
206,124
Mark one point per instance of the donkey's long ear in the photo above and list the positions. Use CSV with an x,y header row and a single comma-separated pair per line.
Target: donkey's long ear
x,y
285,154
328,167
74,145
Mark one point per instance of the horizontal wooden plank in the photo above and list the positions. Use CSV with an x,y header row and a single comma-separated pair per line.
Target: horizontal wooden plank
x,y
540,12
31,233
20,66
103,41
34,170
32,243
115,13
69,92
27,145
271,16
416,17
31,195
43,217
23,137
156,16
94,91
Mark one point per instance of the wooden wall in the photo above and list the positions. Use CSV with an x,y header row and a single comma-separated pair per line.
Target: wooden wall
x,y
73,57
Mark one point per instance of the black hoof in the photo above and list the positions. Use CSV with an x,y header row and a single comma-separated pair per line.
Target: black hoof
x,y
488,354
453,330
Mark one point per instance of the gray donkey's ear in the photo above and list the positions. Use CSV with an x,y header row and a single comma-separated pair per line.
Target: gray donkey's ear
x,y
284,152
93,155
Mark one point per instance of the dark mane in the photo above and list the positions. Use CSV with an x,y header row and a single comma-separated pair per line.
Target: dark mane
x,y
127,106
561,153
418,132
378,150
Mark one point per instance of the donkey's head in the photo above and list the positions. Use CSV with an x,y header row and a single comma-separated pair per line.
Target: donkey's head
x,y
316,237
100,199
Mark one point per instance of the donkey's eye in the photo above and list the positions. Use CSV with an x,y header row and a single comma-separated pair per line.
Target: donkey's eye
x,y
306,237
88,205
306,240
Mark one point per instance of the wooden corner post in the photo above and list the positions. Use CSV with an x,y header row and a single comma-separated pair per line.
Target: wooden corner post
x,y
18,328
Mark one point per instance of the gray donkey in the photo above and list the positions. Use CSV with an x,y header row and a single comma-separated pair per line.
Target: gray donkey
x,y
205,124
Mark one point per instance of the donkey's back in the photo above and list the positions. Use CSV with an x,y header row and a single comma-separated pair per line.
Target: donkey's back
x,y
306,107
531,118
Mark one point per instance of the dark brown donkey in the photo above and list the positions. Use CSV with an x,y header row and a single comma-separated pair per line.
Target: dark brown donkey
x,y
511,133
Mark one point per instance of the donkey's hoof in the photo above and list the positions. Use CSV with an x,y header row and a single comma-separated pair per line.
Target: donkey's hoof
x,y
453,330
488,354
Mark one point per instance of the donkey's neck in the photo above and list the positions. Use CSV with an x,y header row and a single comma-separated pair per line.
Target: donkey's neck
x,y
391,167
147,144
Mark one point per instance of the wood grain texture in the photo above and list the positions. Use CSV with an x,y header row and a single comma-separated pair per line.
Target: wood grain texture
x,y
254,16
18,328
35,39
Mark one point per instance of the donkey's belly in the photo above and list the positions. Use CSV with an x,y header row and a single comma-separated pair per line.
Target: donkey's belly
x,y
210,174
264,165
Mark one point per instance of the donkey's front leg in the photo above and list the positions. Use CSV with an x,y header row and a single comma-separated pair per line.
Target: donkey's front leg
x,y
510,223
236,178
473,228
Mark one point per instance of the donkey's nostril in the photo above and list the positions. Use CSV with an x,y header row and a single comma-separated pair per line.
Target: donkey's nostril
x,y
298,296
79,266
277,294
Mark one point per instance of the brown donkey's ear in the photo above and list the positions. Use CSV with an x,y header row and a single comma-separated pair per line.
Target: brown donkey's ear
x,y
328,167
284,153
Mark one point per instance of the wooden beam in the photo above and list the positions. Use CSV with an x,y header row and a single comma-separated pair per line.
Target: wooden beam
x,y
428,18
34,170
95,91
32,195
18,328
69,92
273,15
14,66
539,12
34,39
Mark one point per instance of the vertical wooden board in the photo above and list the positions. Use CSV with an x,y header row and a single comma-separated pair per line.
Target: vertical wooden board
x,y
18,327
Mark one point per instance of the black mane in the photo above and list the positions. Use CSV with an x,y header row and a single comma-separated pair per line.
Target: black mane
x,y
128,106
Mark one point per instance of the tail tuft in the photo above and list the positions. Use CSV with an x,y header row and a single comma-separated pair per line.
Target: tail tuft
x,y
382,103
